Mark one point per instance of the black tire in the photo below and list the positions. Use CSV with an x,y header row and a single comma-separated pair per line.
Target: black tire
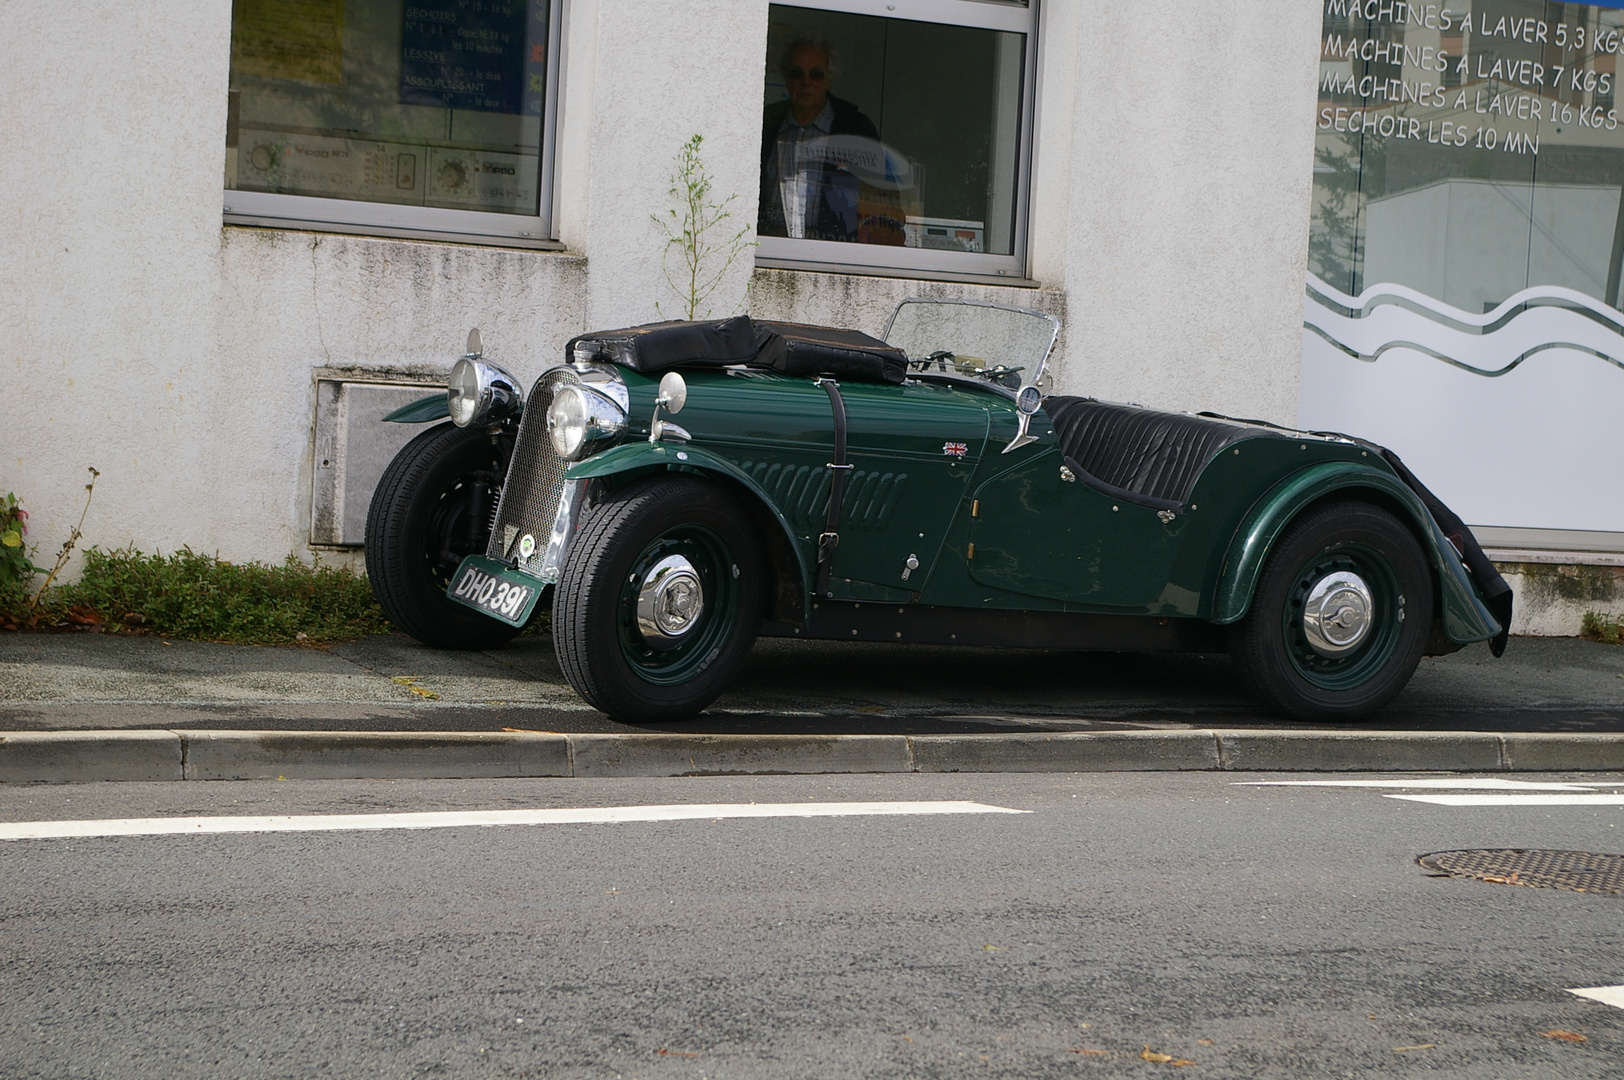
x,y
418,530
604,654
1271,647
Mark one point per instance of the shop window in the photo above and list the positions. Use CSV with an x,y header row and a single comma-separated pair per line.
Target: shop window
x,y
406,116
895,135
1466,256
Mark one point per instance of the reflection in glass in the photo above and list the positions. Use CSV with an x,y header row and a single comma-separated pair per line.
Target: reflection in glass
x,y
1470,154
1467,234
417,102
890,132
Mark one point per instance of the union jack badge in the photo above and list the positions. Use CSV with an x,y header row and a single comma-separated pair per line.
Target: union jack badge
x,y
955,449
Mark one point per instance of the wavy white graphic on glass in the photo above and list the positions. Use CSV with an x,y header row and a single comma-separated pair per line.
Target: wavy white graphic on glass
x,y
1504,414
1534,320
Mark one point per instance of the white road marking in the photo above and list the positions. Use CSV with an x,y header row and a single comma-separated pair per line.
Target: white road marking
x,y
41,830
1588,799
1456,784
1607,995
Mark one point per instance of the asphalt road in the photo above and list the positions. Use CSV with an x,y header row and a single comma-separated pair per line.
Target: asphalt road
x,y
391,683
1254,931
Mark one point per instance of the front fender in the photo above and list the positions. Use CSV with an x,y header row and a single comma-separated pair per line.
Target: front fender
x,y
643,456
1465,617
421,411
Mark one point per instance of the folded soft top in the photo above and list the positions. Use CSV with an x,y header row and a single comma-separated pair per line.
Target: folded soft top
x,y
788,348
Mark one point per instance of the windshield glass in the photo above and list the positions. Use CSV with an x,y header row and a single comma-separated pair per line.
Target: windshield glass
x,y
980,337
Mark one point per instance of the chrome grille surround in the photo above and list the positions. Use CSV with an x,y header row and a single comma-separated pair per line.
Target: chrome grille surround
x,y
535,479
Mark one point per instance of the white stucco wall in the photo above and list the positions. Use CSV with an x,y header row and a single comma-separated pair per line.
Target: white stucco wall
x,y
643,76
1190,174
110,183
1169,218
293,302
177,356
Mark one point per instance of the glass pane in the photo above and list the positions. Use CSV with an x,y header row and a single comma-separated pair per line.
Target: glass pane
x,y
1469,154
1466,246
891,132
978,336
420,102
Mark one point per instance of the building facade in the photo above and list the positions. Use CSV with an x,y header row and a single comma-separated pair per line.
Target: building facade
x,y
237,233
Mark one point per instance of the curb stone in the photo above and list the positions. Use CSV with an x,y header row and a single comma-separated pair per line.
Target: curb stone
x,y
77,757
91,756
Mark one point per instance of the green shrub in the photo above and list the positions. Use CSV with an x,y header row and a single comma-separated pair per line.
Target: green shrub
x,y
1599,627
202,598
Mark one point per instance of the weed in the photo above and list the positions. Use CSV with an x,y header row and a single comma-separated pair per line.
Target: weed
x,y
1602,627
67,545
698,231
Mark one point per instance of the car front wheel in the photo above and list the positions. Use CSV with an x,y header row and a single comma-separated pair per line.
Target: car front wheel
x,y
432,507
1340,617
656,606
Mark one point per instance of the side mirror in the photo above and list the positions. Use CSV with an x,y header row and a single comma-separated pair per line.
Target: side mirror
x,y
673,396
673,392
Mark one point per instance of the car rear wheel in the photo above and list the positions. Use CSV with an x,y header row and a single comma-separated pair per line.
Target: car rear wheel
x,y
656,606
1340,616
432,507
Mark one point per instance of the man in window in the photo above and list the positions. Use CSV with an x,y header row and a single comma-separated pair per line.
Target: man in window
x,y
806,192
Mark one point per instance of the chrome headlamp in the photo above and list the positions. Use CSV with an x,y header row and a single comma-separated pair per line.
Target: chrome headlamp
x,y
580,415
479,392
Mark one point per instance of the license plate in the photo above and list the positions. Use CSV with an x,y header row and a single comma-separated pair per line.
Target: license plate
x,y
494,589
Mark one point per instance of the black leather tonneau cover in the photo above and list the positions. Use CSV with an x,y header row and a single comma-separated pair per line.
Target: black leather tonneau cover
x,y
788,348
797,349
657,347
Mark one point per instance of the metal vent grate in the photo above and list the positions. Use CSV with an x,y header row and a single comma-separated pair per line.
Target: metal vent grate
x,y
535,476
1576,871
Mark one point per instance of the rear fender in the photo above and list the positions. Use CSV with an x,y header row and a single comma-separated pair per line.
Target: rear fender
x,y
642,456
1464,615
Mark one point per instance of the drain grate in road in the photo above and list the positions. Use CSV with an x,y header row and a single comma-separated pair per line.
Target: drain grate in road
x,y
1576,871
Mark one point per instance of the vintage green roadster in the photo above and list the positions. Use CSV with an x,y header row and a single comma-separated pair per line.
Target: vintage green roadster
x,y
923,487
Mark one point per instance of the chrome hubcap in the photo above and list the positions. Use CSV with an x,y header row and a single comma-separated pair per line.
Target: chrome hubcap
x,y
669,602
1338,613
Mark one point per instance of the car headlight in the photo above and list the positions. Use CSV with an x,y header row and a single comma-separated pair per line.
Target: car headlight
x,y
480,392
579,416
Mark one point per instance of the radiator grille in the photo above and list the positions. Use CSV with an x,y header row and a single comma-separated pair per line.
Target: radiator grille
x,y
535,476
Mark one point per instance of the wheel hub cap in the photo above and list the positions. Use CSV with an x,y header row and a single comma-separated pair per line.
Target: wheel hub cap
x,y
669,602
1338,613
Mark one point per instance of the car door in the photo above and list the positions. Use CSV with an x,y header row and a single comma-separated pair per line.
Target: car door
x,y
913,449
1041,531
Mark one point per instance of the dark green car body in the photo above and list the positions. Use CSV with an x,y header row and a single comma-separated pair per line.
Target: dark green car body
x,y
1004,532
968,517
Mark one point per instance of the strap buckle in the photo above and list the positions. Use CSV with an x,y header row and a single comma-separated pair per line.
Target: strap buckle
x,y
828,540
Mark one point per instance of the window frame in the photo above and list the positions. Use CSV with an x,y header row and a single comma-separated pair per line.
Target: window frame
x,y
782,252
357,216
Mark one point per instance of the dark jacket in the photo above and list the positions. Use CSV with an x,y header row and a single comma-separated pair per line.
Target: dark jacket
x,y
832,213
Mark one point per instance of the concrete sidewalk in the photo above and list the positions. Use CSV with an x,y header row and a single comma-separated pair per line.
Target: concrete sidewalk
x,y
89,707
391,683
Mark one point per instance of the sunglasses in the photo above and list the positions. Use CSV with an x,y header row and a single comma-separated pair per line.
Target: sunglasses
x,y
796,74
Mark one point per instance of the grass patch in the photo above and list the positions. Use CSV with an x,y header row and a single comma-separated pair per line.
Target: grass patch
x,y
1599,627
202,598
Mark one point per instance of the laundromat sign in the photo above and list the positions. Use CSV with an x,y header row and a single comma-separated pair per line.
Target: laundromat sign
x,y
1486,100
